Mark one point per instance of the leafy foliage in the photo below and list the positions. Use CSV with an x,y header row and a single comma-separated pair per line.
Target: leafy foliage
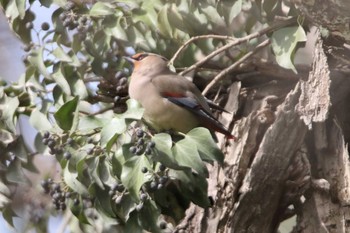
x,y
74,91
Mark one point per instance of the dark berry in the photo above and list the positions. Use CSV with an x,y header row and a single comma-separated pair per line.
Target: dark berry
x,y
51,143
83,19
72,25
111,193
120,188
27,48
76,202
144,170
160,186
45,26
70,141
162,225
45,141
133,149
67,22
58,150
140,142
163,179
56,187
63,206
90,151
139,151
151,144
139,133
143,197
119,88
153,185
162,167
148,151
44,184
116,99
69,6
68,194
62,16
67,155
46,134
123,81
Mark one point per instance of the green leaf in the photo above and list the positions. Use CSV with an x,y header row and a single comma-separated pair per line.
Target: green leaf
x,y
90,123
192,186
70,178
66,113
149,215
78,211
186,155
61,55
19,26
15,172
163,22
61,80
125,208
6,137
208,150
36,59
92,164
133,177
110,131
8,107
135,110
284,42
234,9
4,195
8,215
102,9
163,152
46,3
103,201
114,28
39,120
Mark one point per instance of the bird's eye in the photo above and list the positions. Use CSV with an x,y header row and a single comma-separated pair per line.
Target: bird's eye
x,y
139,56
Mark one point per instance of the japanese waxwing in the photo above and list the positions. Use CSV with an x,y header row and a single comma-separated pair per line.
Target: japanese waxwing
x,y
171,102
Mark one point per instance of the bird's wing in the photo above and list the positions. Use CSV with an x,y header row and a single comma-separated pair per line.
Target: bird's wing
x,y
183,93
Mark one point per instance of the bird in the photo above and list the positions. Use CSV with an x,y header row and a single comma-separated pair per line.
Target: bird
x,y
170,101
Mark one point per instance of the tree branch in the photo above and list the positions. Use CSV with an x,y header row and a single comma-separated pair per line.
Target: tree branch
x,y
240,41
220,37
224,72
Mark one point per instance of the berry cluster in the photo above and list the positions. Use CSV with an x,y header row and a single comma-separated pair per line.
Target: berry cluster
x,y
56,146
160,179
58,196
72,21
141,145
113,88
116,192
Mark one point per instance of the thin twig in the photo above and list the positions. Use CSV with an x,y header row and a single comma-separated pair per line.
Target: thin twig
x,y
220,37
224,72
240,41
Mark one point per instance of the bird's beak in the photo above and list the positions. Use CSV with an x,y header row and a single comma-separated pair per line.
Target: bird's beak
x,y
129,59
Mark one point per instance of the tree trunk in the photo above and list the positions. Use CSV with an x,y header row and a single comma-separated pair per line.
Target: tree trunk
x,y
291,157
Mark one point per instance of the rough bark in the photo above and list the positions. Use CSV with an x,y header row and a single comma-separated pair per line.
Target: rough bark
x,y
291,157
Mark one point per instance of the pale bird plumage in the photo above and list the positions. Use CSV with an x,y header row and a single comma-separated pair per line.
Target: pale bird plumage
x,y
171,102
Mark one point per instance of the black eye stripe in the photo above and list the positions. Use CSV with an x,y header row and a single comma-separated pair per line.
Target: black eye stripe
x,y
139,57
